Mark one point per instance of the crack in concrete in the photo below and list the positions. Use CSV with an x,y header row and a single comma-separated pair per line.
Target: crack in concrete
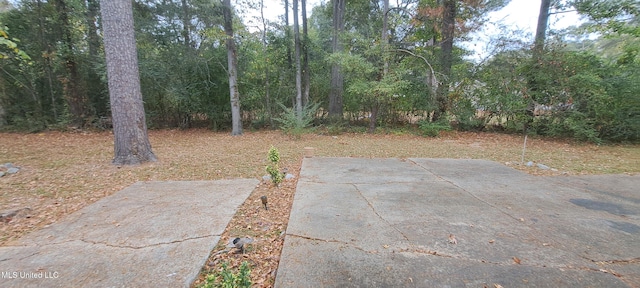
x,y
500,210
356,183
429,252
618,261
465,190
112,245
145,246
380,216
332,241
21,259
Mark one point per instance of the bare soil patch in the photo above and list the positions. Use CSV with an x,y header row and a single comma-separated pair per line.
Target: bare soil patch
x,y
63,172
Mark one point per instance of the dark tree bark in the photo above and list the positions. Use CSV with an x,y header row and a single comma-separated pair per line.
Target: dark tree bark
x,y
97,100
446,56
337,78
296,42
46,63
236,120
129,124
186,24
385,36
538,48
306,77
74,92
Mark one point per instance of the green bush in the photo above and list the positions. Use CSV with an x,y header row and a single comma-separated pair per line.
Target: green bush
x,y
433,129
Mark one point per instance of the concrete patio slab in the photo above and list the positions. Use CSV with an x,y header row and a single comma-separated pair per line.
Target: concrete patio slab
x,y
150,234
458,223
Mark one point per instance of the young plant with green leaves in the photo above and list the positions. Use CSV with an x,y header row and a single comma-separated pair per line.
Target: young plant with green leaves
x,y
273,168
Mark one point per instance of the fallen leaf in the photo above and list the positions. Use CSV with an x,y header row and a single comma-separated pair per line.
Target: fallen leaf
x,y
452,239
497,286
492,241
516,259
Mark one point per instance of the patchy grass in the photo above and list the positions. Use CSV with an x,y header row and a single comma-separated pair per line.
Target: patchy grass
x,y
63,172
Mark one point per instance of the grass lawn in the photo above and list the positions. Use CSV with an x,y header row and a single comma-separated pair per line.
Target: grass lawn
x,y
63,172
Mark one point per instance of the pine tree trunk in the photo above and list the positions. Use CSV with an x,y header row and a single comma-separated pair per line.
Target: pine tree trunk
x,y
236,120
538,49
296,36
287,33
337,79
267,85
446,47
385,37
541,29
129,124
306,77
186,24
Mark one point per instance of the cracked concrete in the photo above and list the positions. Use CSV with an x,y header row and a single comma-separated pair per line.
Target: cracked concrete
x,y
151,234
386,223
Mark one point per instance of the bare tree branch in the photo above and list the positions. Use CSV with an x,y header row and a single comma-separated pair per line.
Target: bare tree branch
x,y
423,59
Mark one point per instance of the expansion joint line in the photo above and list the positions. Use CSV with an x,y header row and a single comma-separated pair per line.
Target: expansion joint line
x,y
493,206
466,191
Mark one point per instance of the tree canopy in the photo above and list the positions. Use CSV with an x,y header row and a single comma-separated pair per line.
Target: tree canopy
x,y
364,63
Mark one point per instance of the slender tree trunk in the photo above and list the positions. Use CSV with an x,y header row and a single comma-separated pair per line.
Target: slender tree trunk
x,y
129,124
93,8
97,103
287,34
267,91
3,121
296,36
385,37
46,61
306,77
541,29
538,49
446,47
337,79
73,89
373,119
236,120
3,93
186,24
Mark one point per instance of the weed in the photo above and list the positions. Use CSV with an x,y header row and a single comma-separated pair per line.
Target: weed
x,y
292,123
226,278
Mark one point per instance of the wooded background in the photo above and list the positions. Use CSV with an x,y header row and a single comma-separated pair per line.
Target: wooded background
x,y
353,63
